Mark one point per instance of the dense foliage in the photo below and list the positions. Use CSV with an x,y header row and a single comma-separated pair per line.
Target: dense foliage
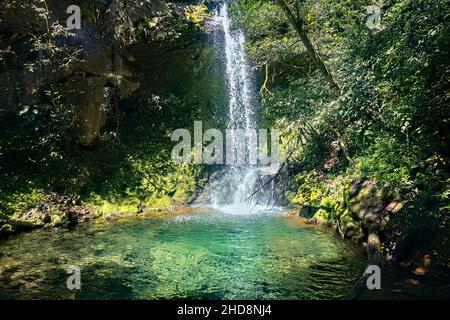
x,y
389,122
60,86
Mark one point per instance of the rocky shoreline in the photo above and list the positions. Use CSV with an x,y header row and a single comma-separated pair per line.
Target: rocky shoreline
x,y
57,211
412,262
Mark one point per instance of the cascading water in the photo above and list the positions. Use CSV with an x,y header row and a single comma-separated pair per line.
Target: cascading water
x,y
238,182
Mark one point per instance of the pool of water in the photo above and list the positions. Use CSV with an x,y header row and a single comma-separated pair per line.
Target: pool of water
x,y
199,254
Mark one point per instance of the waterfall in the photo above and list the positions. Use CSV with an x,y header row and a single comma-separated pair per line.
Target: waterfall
x,y
240,93
238,182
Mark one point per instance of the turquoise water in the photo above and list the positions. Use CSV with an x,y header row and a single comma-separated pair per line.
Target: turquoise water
x,y
200,254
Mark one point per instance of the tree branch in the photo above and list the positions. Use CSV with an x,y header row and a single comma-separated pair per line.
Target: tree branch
x,y
297,24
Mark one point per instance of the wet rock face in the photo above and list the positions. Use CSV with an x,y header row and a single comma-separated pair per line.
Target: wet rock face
x,y
104,61
93,110
102,64
100,71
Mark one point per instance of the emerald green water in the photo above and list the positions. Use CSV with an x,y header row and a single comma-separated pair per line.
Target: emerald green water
x,y
201,254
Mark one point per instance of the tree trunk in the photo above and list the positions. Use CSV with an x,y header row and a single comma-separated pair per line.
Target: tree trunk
x,y
373,258
297,24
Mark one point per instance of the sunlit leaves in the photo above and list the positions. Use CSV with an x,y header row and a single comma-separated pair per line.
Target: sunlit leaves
x,y
196,14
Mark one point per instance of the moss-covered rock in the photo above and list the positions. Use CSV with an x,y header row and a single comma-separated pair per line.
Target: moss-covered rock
x,y
366,200
157,203
322,216
11,227
108,208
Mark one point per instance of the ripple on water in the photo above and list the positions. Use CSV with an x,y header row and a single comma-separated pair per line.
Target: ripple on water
x,y
199,255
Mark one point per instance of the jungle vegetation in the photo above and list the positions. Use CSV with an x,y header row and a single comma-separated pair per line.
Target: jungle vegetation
x,y
359,107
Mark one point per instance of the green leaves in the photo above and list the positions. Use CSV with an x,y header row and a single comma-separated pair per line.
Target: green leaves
x,y
196,14
393,112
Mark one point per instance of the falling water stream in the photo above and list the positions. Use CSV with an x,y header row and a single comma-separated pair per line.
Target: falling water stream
x,y
239,181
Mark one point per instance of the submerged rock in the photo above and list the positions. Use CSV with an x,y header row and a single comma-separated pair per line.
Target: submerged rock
x,y
6,230
307,211
12,227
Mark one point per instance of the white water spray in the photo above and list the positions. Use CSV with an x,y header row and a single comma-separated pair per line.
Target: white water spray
x,y
239,182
